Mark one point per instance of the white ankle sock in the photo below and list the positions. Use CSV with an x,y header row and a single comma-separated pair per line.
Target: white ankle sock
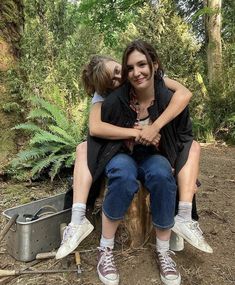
x,y
184,211
107,242
78,213
162,245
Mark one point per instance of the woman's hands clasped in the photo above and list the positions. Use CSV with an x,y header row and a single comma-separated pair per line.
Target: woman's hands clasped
x,y
148,135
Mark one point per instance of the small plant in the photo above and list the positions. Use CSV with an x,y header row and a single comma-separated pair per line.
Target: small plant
x,y
53,141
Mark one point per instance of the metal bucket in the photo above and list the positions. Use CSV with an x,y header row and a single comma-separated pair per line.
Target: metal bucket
x,y
25,238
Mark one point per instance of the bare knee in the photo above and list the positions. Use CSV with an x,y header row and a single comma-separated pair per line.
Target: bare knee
x,y
195,148
81,150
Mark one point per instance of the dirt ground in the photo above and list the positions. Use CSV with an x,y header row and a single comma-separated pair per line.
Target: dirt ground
x,y
137,266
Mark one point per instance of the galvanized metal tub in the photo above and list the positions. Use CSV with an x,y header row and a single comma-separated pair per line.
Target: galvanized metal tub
x,y
26,239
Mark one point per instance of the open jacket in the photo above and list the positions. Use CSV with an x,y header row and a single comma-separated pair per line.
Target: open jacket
x,y
176,136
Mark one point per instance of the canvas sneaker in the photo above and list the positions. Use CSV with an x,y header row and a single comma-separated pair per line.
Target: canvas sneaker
x,y
176,242
168,270
191,232
106,267
73,235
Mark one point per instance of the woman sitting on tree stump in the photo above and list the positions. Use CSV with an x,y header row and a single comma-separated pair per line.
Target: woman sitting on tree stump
x,y
144,95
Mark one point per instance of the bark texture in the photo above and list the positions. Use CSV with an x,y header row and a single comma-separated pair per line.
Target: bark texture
x,y
214,46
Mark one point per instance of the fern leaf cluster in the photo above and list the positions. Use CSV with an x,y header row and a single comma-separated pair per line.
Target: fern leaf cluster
x,y
53,141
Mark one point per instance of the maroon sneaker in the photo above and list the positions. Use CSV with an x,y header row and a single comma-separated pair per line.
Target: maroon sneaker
x,y
106,267
168,271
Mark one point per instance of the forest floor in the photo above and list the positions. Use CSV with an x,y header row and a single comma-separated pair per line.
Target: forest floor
x,y
216,207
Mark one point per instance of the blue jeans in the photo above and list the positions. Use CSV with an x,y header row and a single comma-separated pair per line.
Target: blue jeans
x,y
155,173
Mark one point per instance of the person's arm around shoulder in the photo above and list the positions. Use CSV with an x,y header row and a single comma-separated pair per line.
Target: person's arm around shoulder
x,y
177,104
98,128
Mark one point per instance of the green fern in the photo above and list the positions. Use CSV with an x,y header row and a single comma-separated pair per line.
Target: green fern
x,y
62,133
70,161
57,165
53,141
39,114
31,154
58,117
45,137
27,127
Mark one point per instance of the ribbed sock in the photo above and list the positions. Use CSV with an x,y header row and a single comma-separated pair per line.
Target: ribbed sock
x,y
107,242
78,213
162,245
184,211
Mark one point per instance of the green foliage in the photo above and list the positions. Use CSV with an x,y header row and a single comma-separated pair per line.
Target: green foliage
x,y
11,107
11,21
55,46
60,36
53,141
172,38
111,17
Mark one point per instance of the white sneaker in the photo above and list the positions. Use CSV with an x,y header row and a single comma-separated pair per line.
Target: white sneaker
x,y
192,233
72,237
176,242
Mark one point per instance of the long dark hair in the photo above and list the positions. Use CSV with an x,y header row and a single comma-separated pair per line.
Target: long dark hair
x,y
146,49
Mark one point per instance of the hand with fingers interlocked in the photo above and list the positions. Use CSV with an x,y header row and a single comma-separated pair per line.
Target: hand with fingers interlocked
x,y
149,136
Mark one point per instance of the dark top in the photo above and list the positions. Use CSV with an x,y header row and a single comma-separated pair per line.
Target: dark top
x,y
176,136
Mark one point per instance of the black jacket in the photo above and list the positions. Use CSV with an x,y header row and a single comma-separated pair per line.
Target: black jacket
x,y
176,136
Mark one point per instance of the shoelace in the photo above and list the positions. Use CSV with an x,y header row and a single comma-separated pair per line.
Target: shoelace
x,y
195,227
68,232
166,261
107,259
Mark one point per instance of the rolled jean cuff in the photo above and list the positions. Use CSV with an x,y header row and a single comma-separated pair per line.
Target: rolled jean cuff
x,y
164,227
110,217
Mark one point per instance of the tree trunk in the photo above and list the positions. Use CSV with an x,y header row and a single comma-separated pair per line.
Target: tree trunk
x,y
214,47
11,16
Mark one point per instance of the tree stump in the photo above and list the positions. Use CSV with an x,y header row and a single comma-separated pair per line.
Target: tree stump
x,y
138,220
136,228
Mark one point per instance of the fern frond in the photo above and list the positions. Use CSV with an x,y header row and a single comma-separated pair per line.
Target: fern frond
x,y
56,113
27,127
39,114
32,153
45,136
62,133
56,167
70,161
40,165
51,159
36,152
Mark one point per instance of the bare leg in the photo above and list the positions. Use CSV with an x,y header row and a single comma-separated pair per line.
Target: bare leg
x,y
188,174
82,179
163,234
109,227
184,225
79,227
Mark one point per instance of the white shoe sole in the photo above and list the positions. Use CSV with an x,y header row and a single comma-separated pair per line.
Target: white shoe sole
x,y
107,282
89,230
176,242
171,282
175,230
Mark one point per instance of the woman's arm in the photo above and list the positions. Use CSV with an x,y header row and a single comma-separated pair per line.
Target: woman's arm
x,y
177,104
97,128
179,101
